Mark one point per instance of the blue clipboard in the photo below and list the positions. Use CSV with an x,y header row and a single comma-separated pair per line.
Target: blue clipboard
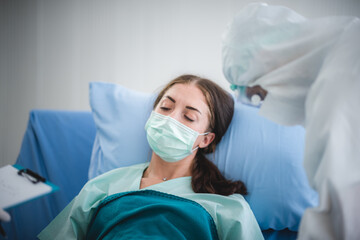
x,y
20,185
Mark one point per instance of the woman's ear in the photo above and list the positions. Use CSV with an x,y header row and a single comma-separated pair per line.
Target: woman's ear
x,y
207,139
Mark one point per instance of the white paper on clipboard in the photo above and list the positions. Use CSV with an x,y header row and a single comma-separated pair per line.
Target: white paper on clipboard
x,y
16,189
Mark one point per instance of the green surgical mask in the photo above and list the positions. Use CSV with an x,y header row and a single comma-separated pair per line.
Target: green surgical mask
x,y
170,139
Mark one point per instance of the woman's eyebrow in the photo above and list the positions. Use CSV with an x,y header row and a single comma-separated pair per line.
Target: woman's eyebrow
x,y
171,99
192,108
188,107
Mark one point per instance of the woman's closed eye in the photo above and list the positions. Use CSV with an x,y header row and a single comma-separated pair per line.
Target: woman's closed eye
x,y
190,119
165,108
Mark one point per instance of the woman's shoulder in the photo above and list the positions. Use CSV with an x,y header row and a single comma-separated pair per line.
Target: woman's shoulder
x,y
240,207
139,166
232,215
118,174
234,201
126,169
233,207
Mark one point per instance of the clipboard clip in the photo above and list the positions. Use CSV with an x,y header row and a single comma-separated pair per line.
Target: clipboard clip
x,y
31,176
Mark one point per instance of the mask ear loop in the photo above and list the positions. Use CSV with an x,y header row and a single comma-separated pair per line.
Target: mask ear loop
x,y
204,134
200,134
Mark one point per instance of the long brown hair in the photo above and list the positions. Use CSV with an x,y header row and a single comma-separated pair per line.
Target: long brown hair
x,y
206,177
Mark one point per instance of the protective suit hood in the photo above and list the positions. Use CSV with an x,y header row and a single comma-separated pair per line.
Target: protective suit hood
x,y
283,52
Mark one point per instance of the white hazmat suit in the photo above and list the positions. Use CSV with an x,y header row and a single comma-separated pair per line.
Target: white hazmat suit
x,y
311,70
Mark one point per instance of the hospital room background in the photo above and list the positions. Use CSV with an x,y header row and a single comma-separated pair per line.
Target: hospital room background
x,y
51,50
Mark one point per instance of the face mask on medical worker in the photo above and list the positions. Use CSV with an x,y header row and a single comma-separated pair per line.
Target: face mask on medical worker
x,y
170,139
253,96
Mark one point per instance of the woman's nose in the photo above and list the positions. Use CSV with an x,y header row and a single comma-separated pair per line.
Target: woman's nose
x,y
176,114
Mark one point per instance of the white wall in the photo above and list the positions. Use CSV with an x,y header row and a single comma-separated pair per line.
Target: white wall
x,y
51,50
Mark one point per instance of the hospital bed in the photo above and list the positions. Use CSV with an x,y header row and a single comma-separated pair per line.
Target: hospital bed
x,y
66,147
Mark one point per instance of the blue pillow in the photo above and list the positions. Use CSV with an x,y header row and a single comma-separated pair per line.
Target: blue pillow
x,y
120,116
264,155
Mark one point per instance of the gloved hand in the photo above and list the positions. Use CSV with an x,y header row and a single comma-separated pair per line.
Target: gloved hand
x,y
4,216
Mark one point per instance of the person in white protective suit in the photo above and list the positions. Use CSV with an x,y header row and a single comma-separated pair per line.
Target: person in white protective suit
x,y
309,71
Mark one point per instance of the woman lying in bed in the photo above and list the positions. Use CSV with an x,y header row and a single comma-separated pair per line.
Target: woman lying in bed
x,y
180,194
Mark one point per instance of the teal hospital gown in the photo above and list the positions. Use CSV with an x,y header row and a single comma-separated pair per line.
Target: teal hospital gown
x,y
232,215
